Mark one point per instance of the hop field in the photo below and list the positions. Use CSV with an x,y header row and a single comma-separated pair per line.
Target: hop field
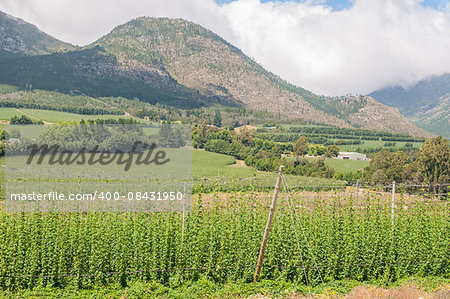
x,y
331,237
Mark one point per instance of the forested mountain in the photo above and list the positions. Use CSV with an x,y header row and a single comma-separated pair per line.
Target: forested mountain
x,y
426,102
176,62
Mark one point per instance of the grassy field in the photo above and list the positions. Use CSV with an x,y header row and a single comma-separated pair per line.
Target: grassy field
x,y
56,116
340,165
344,165
8,113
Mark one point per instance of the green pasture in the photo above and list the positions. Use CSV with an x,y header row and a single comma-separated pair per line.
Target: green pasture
x,y
8,113
58,116
340,165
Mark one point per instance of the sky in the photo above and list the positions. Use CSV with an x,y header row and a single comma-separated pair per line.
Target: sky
x,y
331,47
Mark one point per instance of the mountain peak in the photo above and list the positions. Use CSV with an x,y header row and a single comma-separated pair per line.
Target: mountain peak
x,y
174,61
18,37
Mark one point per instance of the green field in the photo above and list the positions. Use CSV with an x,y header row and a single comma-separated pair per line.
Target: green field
x,y
56,116
8,113
340,165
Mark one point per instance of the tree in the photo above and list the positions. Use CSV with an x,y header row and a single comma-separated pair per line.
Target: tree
x,y
245,136
167,137
301,147
201,134
332,151
218,119
434,160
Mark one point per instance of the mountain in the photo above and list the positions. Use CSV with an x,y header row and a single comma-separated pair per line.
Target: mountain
x,y
176,62
18,37
426,103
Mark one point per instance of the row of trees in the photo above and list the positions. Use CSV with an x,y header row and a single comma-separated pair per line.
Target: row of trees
x,y
430,165
69,109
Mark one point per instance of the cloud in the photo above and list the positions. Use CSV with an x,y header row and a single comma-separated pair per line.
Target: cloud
x,y
372,44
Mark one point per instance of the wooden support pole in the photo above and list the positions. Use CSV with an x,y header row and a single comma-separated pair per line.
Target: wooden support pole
x,y
268,225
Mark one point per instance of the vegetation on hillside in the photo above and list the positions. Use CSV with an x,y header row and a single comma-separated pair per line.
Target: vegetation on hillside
x,y
178,63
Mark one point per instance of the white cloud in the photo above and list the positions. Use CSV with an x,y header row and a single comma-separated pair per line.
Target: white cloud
x,y
373,44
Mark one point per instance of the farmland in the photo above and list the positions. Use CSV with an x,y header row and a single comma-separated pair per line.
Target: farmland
x,y
214,171
327,237
341,165
52,116
8,113
337,239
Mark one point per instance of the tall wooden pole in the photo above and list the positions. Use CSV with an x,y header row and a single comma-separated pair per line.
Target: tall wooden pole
x,y
268,225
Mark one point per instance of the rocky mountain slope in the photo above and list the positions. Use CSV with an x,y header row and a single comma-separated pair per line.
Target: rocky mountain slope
x,y
426,102
176,62
18,37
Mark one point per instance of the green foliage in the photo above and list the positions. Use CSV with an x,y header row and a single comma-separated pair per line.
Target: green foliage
x,y
432,164
332,151
301,146
217,119
386,167
434,160
316,150
170,138
24,120
63,74
221,243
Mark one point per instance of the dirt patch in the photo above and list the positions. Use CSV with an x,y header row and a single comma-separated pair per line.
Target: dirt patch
x,y
246,126
239,163
404,292
366,292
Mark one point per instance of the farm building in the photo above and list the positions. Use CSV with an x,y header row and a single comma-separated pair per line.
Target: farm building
x,y
351,156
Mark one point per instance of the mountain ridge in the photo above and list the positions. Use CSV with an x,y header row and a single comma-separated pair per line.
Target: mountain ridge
x,y
174,61
425,102
18,37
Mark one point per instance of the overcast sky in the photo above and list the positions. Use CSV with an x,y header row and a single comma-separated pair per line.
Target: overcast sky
x,y
331,47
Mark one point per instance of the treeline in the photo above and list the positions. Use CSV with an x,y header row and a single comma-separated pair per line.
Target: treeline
x,y
390,148
346,131
265,155
69,109
325,138
312,138
430,165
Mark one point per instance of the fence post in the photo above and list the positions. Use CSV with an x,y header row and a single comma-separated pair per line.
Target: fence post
x,y
393,205
268,225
